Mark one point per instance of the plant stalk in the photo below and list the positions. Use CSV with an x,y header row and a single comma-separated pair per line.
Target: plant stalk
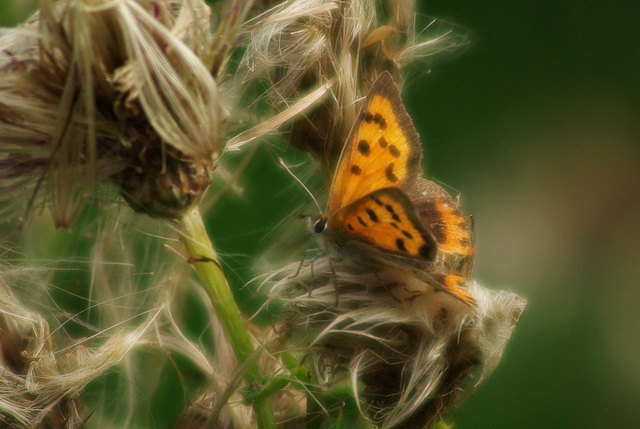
x,y
212,278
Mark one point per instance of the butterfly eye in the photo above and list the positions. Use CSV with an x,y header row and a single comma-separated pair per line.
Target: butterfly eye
x,y
320,226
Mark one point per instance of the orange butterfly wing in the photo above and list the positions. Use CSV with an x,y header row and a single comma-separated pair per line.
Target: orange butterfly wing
x,y
383,149
385,219
448,225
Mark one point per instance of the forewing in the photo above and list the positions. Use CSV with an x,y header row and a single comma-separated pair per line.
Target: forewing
x,y
385,219
383,149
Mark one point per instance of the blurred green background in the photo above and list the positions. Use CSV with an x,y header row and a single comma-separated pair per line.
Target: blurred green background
x,y
537,126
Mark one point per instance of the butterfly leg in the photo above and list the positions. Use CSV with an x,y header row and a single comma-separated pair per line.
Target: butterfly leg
x,y
304,258
322,252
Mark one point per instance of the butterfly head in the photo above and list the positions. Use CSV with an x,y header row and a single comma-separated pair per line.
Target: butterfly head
x,y
318,224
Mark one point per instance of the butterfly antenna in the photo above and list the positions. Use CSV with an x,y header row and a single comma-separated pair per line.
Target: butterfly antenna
x,y
286,167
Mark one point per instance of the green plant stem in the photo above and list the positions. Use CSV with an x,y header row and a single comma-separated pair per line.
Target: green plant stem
x,y
212,278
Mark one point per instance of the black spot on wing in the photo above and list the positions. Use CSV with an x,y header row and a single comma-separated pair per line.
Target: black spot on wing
x,y
382,142
394,215
400,245
372,215
379,119
407,234
356,170
389,173
394,151
364,148
361,221
427,252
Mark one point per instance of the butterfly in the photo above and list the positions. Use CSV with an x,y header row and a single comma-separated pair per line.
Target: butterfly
x,y
381,207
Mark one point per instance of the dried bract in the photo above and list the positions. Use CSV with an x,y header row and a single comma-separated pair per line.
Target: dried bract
x,y
114,90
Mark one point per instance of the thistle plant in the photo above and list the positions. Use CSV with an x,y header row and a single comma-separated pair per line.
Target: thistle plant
x,y
116,117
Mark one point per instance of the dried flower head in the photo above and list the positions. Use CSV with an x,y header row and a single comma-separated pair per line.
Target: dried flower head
x,y
297,45
409,354
112,90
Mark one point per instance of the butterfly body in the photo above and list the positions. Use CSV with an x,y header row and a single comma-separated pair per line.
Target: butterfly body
x,y
381,210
